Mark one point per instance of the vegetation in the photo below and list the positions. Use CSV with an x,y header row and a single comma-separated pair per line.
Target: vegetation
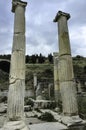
x,y
28,101
82,104
43,67
46,117
3,99
79,65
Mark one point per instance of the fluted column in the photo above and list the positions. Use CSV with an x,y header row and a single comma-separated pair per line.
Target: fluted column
x,y
15,109
56,77
66,76
17,69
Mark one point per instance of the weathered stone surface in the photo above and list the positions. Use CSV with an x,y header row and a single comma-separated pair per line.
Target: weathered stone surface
x,y
15,109
35,80
69,99
72,121
15,125
64,43
17,70
39,92
65,67
18,38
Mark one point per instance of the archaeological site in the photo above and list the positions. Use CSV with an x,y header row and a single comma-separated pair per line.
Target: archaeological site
x,y
56,102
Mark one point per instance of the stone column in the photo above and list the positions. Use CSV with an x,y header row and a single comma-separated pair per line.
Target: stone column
x,y
56,77
15,110
51,91
66,76
40,92
79,87
35,80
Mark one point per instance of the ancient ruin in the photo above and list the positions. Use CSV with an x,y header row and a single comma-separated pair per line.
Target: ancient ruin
x,y
15,110
65,66
66,76
41,103
56,77
39,92
35,80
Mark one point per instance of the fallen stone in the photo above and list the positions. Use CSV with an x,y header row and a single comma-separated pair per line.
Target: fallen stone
x,y
48,126
72,120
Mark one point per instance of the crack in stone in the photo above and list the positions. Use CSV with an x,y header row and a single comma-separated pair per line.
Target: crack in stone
x,y
18,50
15,80
21,33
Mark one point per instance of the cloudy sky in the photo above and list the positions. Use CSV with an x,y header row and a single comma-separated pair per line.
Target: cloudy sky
x,y
41,32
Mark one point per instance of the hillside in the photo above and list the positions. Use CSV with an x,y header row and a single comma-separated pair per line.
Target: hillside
x,y
44,73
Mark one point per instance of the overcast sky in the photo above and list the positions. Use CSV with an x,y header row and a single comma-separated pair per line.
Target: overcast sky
x,y
41,32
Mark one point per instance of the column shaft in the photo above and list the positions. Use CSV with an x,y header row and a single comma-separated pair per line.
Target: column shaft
x,y
35,80
17,70
66,76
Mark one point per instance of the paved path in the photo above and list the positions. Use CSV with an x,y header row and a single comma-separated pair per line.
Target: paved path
x,y
48,126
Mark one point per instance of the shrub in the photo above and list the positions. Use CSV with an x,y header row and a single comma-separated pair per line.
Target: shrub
x,y
3,99
47,117
29,102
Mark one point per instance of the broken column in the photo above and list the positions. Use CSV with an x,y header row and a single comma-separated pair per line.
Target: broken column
x,y
66,76
56,77
79,87
35,80
51,91
15,110
40,92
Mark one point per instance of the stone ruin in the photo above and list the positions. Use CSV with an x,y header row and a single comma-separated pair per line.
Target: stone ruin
x,y
15,109
63,73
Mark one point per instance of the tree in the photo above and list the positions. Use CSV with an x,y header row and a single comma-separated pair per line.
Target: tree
x,y
33,59
27,59
50,58
41,59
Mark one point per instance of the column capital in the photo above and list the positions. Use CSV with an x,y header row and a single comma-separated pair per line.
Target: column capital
x,y
59,14
17,2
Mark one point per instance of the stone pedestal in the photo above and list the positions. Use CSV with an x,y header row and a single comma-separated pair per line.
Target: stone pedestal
x,y
15,110
15,125
66,76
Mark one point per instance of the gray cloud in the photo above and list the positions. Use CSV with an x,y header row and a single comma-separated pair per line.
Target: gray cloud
x,y
41,32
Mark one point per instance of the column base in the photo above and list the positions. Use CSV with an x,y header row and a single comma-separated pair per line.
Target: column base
x,y
15,125
72,120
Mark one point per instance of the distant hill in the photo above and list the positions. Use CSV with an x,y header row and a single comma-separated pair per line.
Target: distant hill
x,y
44,72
